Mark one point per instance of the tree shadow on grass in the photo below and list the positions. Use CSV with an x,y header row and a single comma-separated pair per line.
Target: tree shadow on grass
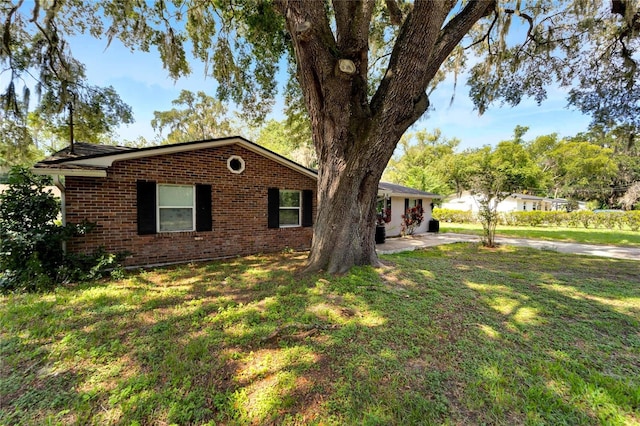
x,y
538,338
451,334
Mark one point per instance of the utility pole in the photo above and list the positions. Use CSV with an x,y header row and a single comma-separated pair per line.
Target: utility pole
x,y
72,148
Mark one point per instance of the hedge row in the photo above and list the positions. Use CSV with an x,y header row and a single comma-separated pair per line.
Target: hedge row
x,y
575,219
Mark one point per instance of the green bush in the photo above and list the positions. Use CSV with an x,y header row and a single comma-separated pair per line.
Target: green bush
x,y
453,216
583,218
31,254
529,218
632,219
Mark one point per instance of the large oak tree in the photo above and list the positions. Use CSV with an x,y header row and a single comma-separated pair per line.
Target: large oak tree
x,y
364,68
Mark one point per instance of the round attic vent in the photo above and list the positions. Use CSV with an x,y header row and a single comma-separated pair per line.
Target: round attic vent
x,y
235,164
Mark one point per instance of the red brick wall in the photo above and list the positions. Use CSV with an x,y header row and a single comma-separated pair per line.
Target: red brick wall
x,y
238,206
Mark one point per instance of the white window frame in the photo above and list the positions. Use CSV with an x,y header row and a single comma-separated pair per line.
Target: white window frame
x,y
235,158
299,208
158,208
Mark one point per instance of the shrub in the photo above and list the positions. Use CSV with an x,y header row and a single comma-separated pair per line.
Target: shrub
x,y
31,254
585,218
632,219
530,218
609,219
453,216
557,218
412,219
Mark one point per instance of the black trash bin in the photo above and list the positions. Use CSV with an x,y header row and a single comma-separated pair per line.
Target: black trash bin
x,y
434,226
381,234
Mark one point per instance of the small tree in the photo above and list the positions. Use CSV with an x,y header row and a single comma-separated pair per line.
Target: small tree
x,y
495,175
488,185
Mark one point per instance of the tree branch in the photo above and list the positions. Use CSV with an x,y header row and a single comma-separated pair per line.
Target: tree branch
x,y
487,34
459,26
395,14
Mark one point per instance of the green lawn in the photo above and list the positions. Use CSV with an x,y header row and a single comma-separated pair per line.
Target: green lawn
x,y
576,235
455,334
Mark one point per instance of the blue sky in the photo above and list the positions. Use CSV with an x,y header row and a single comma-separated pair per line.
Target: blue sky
x,y
141,82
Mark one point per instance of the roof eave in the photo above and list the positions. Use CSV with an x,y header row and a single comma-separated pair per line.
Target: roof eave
x,y
105,161
54,171
407,194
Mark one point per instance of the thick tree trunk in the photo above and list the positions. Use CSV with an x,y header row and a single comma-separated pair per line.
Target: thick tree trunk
x,y
345,225
344,233
355,134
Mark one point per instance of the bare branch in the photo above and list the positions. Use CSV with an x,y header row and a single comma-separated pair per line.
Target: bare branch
x,y
487,34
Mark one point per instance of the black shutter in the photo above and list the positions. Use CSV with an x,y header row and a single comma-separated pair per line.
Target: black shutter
x,y
273,212
406,205
146,203
307,208
203,208
420,202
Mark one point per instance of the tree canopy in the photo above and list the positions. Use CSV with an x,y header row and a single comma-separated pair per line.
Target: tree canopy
x,y
592,166
36,57
199,117
363,68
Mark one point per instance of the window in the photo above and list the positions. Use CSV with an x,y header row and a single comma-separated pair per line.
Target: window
x,y
173,208
176,208
289,208
235,164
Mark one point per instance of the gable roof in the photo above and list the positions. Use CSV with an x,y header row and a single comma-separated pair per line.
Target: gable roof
x,y
93,160
403,191
83,149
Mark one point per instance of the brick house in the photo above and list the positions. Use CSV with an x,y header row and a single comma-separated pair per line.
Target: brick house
x,y
196,201
185,202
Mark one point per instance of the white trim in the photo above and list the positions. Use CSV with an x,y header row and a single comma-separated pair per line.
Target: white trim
x,y
69,172
106,161
387,193
193,208
299,208
238,158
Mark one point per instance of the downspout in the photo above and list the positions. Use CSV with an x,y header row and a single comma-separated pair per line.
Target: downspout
x,y
63,207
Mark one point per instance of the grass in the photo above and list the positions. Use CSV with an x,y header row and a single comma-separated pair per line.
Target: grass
x,y
455,334
575,235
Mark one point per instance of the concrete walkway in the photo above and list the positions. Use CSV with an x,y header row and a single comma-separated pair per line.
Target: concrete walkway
x,y
396,245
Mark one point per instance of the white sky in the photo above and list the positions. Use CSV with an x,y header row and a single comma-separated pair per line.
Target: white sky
x,y
142,83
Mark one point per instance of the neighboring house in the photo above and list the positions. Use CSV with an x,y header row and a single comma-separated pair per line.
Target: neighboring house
x,y
514,202
398,199
195,201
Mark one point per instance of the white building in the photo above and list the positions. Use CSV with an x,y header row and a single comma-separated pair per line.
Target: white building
x,y
398,199
514,202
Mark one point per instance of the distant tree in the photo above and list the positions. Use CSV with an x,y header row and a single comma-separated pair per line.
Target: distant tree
x,y
16,142
581,170
198,117
289,140
423,162
625,154
631,196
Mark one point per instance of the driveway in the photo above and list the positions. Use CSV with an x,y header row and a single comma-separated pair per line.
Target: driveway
x,y
396,245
